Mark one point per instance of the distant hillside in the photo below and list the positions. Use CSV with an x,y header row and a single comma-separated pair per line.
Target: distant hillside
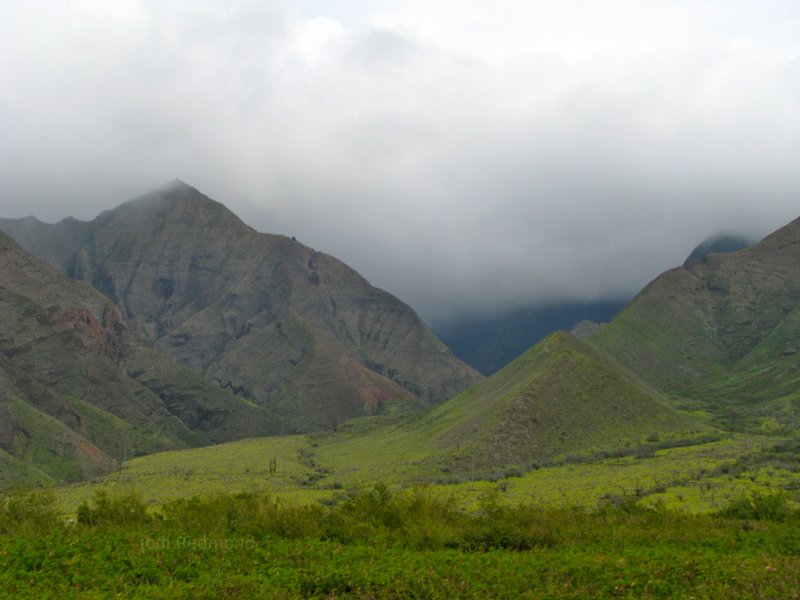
x,y
78,390
289,328
721,331
488,342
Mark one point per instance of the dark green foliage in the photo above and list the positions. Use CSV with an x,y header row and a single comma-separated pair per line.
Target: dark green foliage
x,y
760,507
387,544
127,510
29,512
244,514
519,528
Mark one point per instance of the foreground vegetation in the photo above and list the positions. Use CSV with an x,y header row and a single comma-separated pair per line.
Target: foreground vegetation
x,y
415,544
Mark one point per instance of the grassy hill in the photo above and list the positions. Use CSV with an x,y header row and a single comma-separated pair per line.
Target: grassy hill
x,y
560,398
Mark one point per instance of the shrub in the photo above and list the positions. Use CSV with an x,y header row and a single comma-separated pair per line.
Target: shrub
x,y
498,525
126,510
246,513
759,507
617,504
29,512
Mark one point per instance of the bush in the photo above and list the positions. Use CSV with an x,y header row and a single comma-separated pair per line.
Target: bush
x,y
29,512
760,507
246,513
498,525
126,510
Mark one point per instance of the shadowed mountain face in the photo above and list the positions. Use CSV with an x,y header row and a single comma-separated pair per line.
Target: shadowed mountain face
x,y
490,342
78,390
294,330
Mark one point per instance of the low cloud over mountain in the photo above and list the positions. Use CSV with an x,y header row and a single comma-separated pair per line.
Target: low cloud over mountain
x,y
465,159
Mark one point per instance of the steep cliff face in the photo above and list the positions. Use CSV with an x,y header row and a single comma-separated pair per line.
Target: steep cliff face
x,y
292,329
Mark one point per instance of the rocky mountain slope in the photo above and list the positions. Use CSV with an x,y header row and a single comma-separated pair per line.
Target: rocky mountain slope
x,y
78,390
291,329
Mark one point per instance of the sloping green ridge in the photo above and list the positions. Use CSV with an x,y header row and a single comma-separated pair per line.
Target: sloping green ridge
x,y
14,472
761,392
51,446
667,334
721,333
561,397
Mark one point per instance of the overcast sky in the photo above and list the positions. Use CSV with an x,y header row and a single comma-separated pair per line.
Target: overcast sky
x,y
462,155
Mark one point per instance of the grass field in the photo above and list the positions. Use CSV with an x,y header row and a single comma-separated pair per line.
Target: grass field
x,y
242,466
328,469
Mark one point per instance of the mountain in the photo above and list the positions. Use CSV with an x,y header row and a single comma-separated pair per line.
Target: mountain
x,y
78,390
717,337
721,333
721,243
293,330
488,342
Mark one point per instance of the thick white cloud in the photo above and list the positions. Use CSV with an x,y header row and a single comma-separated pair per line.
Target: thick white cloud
x,y
462,155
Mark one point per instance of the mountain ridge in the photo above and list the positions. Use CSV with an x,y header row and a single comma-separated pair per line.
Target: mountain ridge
x,y
234,304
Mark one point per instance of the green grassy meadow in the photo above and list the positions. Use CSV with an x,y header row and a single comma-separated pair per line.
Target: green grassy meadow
x,y
328,469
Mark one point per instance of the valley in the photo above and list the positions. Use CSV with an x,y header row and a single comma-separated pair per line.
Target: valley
x,y
696,479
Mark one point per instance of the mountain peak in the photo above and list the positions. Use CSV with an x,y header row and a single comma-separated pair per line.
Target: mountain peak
x,y
177,190
720,243
177,206
178,187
